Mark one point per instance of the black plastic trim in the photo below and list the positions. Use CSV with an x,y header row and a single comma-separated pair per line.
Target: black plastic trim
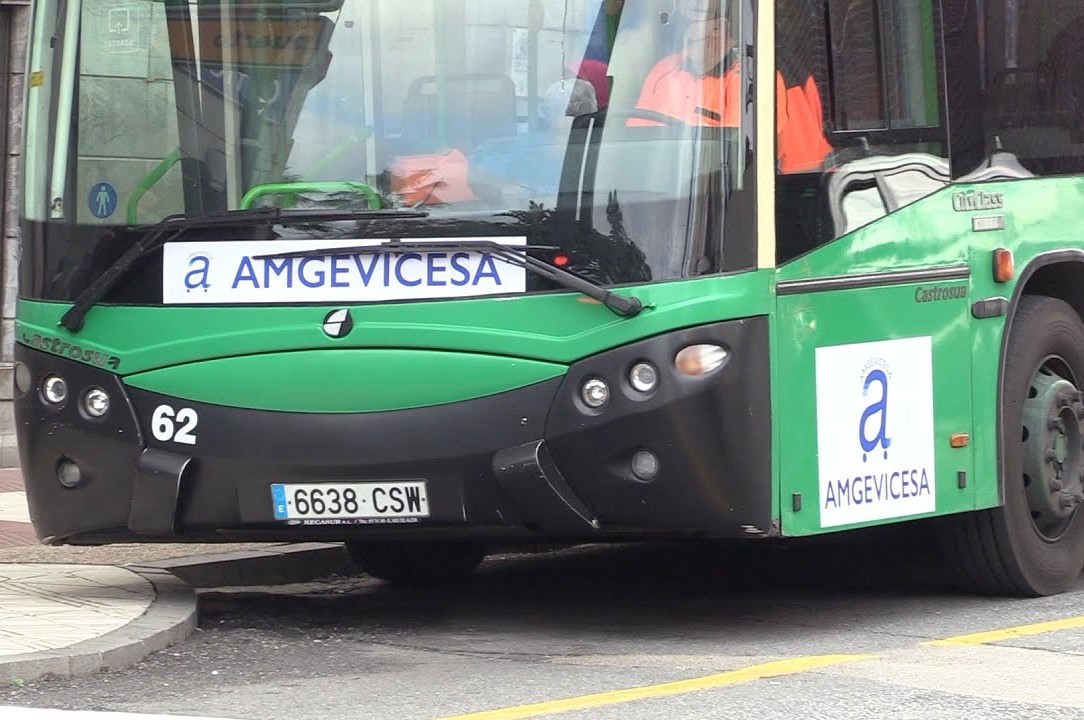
x,y
532,463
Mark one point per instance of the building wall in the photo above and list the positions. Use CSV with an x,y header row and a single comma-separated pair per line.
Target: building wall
x,y
15,23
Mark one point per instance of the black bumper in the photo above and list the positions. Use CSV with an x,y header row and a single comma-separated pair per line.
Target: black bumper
x,y
532,463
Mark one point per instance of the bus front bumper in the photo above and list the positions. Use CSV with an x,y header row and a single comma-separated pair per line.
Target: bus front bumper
x,y
532,463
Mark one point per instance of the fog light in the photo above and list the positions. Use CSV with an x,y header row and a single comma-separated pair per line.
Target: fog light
x,y
595,393
643,377
96,402
23,381
55,389
69,475
700,359
645,465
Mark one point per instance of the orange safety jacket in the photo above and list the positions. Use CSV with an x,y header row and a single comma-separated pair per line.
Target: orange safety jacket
x,y
715,101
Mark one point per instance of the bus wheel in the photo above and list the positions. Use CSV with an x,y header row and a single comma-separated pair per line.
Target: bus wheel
x,y
1034,543
417,563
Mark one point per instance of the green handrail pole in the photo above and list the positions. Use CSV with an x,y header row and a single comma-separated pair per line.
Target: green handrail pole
x,y
64,105
440,50
534,13
152,178
296,188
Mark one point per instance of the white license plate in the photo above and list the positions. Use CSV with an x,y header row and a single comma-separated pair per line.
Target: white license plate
x,y
368,500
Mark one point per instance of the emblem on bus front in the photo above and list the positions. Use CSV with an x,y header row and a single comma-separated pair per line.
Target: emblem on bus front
x,y
338,323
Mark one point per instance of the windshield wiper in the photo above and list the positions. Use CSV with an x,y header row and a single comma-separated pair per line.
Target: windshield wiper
x,y
626,306
173,226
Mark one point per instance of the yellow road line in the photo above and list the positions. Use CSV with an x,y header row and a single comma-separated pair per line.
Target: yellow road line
x,y
790,666
1009,633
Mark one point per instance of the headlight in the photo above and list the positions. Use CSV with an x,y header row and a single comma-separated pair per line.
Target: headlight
x,y
643,377
55,389
700,359
96,402
595,393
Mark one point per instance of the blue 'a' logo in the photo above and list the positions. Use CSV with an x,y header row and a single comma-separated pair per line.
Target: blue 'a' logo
x,y
876,409
199,266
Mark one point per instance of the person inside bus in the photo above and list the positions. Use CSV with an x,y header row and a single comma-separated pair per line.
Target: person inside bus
x,y
700,85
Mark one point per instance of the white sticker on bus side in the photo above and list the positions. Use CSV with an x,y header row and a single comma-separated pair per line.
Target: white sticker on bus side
x,y
227,272
875,430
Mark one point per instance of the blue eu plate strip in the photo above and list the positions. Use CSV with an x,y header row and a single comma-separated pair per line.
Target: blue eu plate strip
x,y
278,497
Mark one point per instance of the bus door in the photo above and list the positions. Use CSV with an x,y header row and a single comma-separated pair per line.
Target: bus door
x,y
872,396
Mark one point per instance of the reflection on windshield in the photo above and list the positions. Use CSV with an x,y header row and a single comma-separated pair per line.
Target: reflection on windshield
x,y
519,109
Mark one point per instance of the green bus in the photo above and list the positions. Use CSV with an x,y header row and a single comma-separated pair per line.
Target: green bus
x,y
430,277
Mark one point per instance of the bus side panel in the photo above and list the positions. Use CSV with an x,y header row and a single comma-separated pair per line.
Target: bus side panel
x,y
873,383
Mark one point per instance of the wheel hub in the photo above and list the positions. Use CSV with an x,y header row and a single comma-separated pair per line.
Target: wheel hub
x,y
1053,457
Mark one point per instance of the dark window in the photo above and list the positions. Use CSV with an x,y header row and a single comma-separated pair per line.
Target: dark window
x,y
1020,66
882,97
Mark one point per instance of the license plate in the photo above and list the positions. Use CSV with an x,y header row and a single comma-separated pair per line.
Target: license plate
x,y
350,501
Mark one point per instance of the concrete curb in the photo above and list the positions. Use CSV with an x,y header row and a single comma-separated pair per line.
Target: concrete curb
x,y
170,618
173,614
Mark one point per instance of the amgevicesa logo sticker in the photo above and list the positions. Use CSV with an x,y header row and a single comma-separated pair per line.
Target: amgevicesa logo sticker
x,y
875,430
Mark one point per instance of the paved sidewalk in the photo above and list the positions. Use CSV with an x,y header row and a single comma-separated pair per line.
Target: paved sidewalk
x,y
15,527
47,607
69,611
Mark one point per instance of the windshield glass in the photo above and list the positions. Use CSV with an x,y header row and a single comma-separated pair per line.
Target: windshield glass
x,y
617,132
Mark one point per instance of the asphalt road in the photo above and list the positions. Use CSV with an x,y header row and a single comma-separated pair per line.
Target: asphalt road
x,y
803,631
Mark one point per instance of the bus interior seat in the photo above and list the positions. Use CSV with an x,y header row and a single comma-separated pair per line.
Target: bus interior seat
x,y
867,189
477,107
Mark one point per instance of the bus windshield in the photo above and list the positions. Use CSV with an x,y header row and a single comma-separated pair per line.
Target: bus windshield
x,y
613,131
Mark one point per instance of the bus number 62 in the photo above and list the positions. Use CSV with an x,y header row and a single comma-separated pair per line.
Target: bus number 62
x,y
178,427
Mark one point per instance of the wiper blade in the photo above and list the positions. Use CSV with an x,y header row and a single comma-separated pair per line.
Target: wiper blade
x,y
626,306
173,226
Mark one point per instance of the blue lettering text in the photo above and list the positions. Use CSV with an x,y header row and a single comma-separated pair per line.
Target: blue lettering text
x,y
285,265
245,272
318,276
399,269
435,268
459,267
337,270
487,262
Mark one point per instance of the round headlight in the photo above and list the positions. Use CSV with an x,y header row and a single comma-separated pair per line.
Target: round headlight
x,y
55,389
643,377
96,402
700,359
595,393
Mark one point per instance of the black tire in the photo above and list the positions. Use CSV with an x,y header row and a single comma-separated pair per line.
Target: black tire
x,y
417,564
1003,550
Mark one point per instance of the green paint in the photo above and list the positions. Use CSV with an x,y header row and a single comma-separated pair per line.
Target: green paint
x,y
1040,217
339,381
270,357
553,327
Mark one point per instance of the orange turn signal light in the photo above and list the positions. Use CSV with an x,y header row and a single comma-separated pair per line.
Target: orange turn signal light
x,y
1004,267
959,440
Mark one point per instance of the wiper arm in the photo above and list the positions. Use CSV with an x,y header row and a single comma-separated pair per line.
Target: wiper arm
x,y
626,306
173,226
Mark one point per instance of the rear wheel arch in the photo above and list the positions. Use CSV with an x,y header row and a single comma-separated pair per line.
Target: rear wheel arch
x,y
1059,275
1032,543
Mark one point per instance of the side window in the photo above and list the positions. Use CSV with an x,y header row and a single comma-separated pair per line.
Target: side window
x,y
870,71
1024,65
